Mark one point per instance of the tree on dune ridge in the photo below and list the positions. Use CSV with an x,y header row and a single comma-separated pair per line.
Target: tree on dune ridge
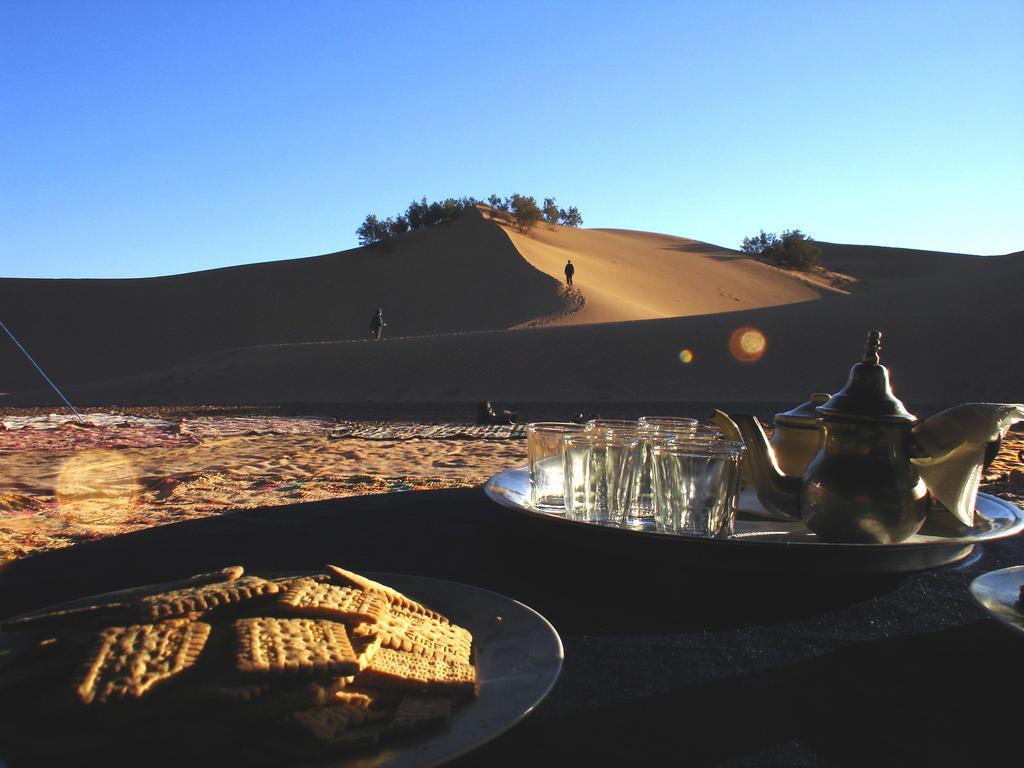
x,y
521,209
373,230
550,210
525,211
792,249
570,217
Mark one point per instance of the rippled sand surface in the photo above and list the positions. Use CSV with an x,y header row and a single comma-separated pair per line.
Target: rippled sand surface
x,y
65,484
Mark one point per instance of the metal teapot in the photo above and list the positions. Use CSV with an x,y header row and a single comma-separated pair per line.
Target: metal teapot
x,y
796,437
861,485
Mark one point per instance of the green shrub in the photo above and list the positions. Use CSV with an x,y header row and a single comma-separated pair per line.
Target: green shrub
x,y
793,249
526,212
522,209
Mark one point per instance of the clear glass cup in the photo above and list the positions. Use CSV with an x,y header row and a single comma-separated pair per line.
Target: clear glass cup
x,y
621,426
618,455
600,470
654,428
544,461
576,449
674,423
696,487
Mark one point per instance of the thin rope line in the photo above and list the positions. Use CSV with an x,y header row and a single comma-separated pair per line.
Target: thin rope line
x,y
42,372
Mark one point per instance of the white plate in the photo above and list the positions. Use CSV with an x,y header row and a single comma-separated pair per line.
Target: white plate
x,y
999,594
519,657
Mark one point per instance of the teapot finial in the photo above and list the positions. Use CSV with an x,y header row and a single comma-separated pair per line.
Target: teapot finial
x,y
867,394
873,347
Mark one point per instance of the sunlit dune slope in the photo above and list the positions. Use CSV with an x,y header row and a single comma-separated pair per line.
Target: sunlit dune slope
x,y
627,275
950,337
460,276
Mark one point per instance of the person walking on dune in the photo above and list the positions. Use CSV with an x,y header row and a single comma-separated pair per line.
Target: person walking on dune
x,y
377,325
570,270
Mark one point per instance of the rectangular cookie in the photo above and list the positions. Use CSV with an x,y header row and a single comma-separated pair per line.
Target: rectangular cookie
x,y
409,672
273,646
309,597
334,723
128,662
393,596
113,612
420,634
419,712
199,599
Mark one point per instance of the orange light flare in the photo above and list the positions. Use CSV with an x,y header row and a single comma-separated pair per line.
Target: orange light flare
x,y
747,344
97,487
686,357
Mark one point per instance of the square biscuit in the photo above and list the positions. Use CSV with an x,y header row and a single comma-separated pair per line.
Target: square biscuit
x,y
309,597
334,723
127,662
409,672
420,634
393,596
202,598
418,712
274,646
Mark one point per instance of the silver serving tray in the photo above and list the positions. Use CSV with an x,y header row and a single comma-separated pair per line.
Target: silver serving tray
x,y
998,592
761,544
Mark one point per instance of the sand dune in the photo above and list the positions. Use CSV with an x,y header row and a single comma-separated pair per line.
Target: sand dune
x,y
468,275
952,339
874,265
461,276
951,325
627,275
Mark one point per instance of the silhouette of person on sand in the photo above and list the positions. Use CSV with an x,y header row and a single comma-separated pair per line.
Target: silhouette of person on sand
x,y
377,325
486,414
570,270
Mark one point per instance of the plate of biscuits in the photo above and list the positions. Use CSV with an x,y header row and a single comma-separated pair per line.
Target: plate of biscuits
x,y
330,669
1001,593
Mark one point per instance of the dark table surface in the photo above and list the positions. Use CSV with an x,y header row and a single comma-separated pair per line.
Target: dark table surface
x,y
668,659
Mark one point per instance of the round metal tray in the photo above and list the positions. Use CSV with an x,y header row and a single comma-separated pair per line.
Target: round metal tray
x,y
761,544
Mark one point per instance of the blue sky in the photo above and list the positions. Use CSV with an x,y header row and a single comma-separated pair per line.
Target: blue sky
x,y
153,138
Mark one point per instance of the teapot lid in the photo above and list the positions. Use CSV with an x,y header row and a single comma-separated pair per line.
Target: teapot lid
x,y
867,394
805,414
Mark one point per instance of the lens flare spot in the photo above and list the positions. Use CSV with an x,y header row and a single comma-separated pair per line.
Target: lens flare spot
x,y
686,356
747,344
96,486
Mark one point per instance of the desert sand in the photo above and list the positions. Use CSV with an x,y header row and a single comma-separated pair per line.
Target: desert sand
x,y
61,483
477,310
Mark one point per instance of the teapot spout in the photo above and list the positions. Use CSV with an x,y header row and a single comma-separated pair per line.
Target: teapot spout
x,y
778,492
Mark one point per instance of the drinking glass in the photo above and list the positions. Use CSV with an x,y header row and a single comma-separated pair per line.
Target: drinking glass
x,y
620,426
615,461
576,449
600,470
696,486
641,513
674,423
544,460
